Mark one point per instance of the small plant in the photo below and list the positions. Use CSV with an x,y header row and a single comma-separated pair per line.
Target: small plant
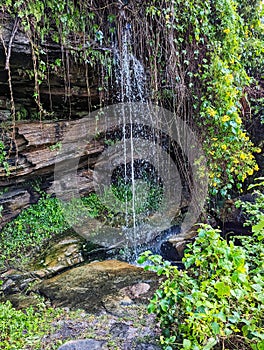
x,y
254,210
3,159
147,195
255,219
56,147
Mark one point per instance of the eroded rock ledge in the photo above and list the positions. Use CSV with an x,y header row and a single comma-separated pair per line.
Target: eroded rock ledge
x,y
33,149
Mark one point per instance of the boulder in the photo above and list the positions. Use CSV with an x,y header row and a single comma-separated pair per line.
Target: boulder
x,y
100,286
62,252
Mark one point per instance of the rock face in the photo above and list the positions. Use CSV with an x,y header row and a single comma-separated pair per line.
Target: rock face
x,y
33,152
58,98
99,286
62,252
32,145
34,149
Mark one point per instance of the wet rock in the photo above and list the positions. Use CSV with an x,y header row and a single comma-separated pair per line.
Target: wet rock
x,y
180,240
16,281
22,301
84,344
232,219
8,286
169,252
62,252
119,330
96,286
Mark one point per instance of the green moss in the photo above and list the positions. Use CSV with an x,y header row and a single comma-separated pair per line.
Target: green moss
x,y
34,225
38,223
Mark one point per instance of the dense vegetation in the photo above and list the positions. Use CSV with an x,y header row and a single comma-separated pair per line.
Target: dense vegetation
x,y
40,222
203,58
48,217
217,302
25,328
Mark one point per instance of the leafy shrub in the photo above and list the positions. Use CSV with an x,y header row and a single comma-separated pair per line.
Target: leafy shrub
x,y
218,301
255,219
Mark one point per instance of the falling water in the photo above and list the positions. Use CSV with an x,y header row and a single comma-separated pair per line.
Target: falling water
x,y
130,86
148,140
130,78
130,82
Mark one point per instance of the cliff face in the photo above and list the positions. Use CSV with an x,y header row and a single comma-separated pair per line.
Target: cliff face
x,y
67,88
33,152
32,141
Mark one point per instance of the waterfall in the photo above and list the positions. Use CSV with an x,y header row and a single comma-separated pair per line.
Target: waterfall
x,y
130,78
138,176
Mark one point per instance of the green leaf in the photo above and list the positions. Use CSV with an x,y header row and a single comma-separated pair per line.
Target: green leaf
x,y
141,259
164,305
235,318
221,316
151,308
260,345
187,344
216,328
210,344
259,226
222,289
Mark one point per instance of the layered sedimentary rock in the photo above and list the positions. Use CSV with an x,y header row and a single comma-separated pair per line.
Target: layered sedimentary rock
x,y
33,149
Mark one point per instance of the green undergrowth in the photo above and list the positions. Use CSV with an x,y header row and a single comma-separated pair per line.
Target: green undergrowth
x,y
45,327
30,228
35,225
40,222
24,329
217,302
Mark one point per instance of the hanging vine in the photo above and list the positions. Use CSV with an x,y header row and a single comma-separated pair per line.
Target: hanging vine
x,y
199,56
